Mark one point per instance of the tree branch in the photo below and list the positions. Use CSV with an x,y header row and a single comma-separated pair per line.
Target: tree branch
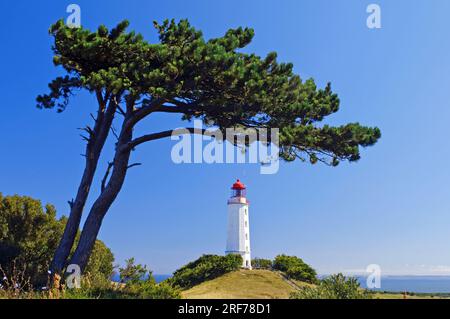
x,y
121,111
105,178
133,165
170,109
113,130
142,112
71,203
156,136
101,101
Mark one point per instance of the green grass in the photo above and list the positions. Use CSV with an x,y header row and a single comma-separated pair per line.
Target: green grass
x,y
243,284
399,295
265,284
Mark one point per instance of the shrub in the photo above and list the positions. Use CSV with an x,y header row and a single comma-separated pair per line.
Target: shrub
x,y
205,268
302,273
29,235
260,263
149,289
333,287
136,283
132,273
140,284
15,284
295,268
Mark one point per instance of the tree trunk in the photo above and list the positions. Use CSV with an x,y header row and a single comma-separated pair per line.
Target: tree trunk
x,y
93,150
103,202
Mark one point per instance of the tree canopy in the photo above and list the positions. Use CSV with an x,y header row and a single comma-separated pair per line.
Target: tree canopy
x,y
208,79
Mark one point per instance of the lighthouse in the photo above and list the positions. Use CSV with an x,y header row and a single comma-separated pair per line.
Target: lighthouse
x,y
238,230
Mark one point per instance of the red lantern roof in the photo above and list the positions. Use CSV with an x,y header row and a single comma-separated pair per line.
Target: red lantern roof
x,y
238,185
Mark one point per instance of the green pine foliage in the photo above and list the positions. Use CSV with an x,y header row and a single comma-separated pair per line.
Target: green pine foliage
x,y
213,80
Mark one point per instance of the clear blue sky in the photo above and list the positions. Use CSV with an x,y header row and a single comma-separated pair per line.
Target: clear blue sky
x,y
392,208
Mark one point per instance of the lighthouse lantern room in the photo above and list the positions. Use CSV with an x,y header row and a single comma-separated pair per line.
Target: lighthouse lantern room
x,y
238,231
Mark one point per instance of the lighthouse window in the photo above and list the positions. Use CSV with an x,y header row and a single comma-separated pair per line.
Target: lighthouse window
x,y
246,236
245,223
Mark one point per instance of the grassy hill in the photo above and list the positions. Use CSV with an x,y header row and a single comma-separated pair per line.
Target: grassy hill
x,y
245,284
265,284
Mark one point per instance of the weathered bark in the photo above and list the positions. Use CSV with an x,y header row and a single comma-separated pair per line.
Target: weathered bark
x,y
104,201
94,147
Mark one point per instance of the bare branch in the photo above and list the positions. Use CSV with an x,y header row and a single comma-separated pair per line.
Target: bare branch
x,y
105,178
87,139
133,165
113,130
71,202
88,130
120,110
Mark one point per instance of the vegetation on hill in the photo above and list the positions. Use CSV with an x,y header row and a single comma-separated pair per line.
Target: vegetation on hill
x,y
261,263
205,268
29,234
333,287
269,279
243,284
261,283
295,268
136,282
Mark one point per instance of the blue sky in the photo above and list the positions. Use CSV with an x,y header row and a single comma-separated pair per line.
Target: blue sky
x,y
391,208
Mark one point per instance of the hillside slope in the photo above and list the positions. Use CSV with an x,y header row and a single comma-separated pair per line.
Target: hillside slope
x,y
243,284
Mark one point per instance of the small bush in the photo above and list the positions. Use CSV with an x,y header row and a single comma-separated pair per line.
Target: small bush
x,y
205,268
149,289
260,263
295,268
29,236
132,273
136,283
140,283
15,284
334,287
302,273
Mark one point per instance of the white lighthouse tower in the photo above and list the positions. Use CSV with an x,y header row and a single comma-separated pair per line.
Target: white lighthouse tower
x,y
238,231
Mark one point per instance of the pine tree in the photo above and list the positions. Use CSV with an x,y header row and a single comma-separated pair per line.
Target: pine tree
x,y
211,80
